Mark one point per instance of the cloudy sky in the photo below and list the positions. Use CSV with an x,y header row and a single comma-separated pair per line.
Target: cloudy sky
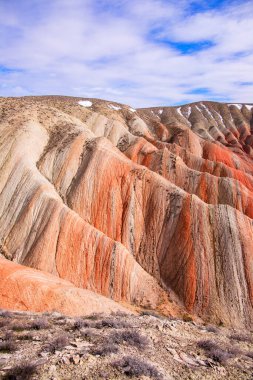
x,y
138,52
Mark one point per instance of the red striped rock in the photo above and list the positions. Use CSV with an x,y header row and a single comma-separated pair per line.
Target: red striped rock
x,y
23,288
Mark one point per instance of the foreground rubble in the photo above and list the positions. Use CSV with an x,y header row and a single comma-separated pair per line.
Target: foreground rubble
x,y
120,346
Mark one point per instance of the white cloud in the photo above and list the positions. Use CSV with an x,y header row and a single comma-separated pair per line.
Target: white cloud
x,y
118,52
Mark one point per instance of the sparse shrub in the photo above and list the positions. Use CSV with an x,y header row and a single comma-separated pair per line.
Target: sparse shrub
x,y
132,338
8,346
21,326
88,334
151,313
187,318
212,329
207,345
234,351
56,344
249,354
103,375
215,352
8,335
132,366
5,313
4,323
104,349
172,318
47,313
61,317
110,323
25,337
241,338
221,356
23,371
40,324
94,316
80,323
119,314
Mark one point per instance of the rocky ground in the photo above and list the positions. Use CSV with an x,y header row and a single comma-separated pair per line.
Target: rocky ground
x,y
119,346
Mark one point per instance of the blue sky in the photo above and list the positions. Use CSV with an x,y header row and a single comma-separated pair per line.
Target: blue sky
x,y
142,53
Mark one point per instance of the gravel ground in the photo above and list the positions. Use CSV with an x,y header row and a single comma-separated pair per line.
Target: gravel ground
x,y
53,346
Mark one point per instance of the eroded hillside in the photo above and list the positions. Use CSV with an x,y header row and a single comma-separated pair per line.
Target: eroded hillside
x,y
149,207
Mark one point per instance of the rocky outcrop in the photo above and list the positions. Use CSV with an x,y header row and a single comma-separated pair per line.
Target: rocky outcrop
x,y
151,207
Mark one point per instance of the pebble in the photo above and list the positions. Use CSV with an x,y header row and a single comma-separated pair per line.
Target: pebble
x,y
76,359
65,360
52,368
44,354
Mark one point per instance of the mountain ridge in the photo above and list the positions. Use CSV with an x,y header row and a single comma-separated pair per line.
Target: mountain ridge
x,y
149,208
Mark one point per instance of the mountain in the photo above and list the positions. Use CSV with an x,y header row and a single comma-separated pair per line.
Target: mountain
x,y
151,208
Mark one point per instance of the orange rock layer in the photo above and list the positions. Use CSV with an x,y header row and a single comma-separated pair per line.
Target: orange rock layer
x,y
27,289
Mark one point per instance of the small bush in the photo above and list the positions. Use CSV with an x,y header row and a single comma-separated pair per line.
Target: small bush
x,y
215,352
93,317
40,324
212,329
241,338
60,317
8,346
23,371
47,314
4,323
111,323
187,318
57,344
8,335
5,314
25,337
221,356
149,313
207,345
89,334
132,338
132,366
119,313
249,354
104,349
80,323
21,326
234,351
